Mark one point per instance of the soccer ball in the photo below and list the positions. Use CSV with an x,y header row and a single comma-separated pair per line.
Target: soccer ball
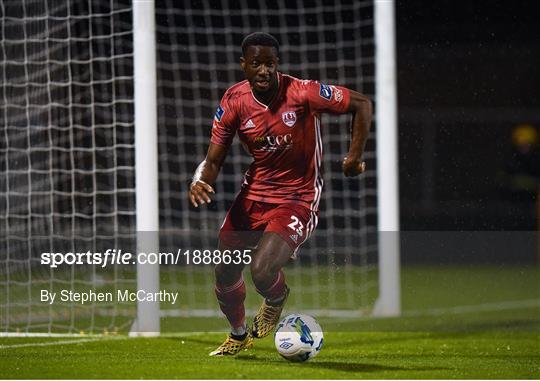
x,y
298,337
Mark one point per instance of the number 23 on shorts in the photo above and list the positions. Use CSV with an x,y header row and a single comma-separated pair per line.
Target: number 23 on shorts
x,y
296,225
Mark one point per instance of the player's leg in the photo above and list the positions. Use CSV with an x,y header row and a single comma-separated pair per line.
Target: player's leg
x,y
230,291
288,227
230,288
272,255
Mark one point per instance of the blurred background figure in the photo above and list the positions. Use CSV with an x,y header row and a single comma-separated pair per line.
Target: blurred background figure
x,y
521,174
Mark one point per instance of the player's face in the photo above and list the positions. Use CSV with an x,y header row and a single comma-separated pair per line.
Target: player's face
x,y
260,67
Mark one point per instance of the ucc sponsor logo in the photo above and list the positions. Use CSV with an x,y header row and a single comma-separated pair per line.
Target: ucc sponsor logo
x,y
273,142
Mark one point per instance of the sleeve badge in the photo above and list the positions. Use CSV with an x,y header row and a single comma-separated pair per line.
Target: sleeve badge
x,y
219,113
325,91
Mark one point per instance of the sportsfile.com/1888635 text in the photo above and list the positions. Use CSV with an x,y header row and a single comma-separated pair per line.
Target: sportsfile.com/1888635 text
x,y
119,257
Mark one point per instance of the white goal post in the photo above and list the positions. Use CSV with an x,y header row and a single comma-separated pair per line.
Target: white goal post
x,y
147,321
389,301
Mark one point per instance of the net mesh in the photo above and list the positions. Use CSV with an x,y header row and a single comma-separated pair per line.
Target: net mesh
x,y
66,155
67,151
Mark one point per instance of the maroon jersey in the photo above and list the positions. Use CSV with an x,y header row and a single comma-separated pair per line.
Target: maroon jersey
x,y
284,138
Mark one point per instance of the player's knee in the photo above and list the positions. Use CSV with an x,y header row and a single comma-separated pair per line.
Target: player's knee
x,y
225,274
220,272
262,274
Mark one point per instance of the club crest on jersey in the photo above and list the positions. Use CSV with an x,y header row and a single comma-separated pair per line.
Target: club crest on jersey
x,y
289,118
325,91
338,96
219,113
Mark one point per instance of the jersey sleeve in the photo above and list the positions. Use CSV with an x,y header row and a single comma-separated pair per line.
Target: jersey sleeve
x,y
225,123
323,98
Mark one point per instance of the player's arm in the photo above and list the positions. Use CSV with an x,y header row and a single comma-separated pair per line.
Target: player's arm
x,y
361,108
323,98
206,174
224,128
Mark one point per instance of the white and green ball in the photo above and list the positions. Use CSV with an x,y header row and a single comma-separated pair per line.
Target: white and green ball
x,y
298,337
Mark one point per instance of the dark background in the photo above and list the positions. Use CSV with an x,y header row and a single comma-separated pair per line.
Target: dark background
x,y
467,74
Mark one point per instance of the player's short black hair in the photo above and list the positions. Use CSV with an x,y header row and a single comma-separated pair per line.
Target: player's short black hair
x,y
261,39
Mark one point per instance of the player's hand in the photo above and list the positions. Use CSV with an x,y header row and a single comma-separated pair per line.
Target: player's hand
x,y
199,193
353,167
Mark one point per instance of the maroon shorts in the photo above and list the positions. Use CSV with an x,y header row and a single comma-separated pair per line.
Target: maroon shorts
x,y
247,220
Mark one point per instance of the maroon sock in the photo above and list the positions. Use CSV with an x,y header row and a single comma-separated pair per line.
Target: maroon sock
x,y
276,290
231,302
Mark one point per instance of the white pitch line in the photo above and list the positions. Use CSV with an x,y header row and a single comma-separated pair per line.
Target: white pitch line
x,y
98,338
61,342
484,307
495,306
49,335
189,334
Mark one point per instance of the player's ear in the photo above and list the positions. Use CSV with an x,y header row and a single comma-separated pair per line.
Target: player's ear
x,y
243,63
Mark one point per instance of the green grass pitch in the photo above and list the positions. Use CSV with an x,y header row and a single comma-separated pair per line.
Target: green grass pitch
x,y
458,322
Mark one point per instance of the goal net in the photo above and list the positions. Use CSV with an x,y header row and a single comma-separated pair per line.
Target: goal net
x,y
67,153
66,158
198,59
